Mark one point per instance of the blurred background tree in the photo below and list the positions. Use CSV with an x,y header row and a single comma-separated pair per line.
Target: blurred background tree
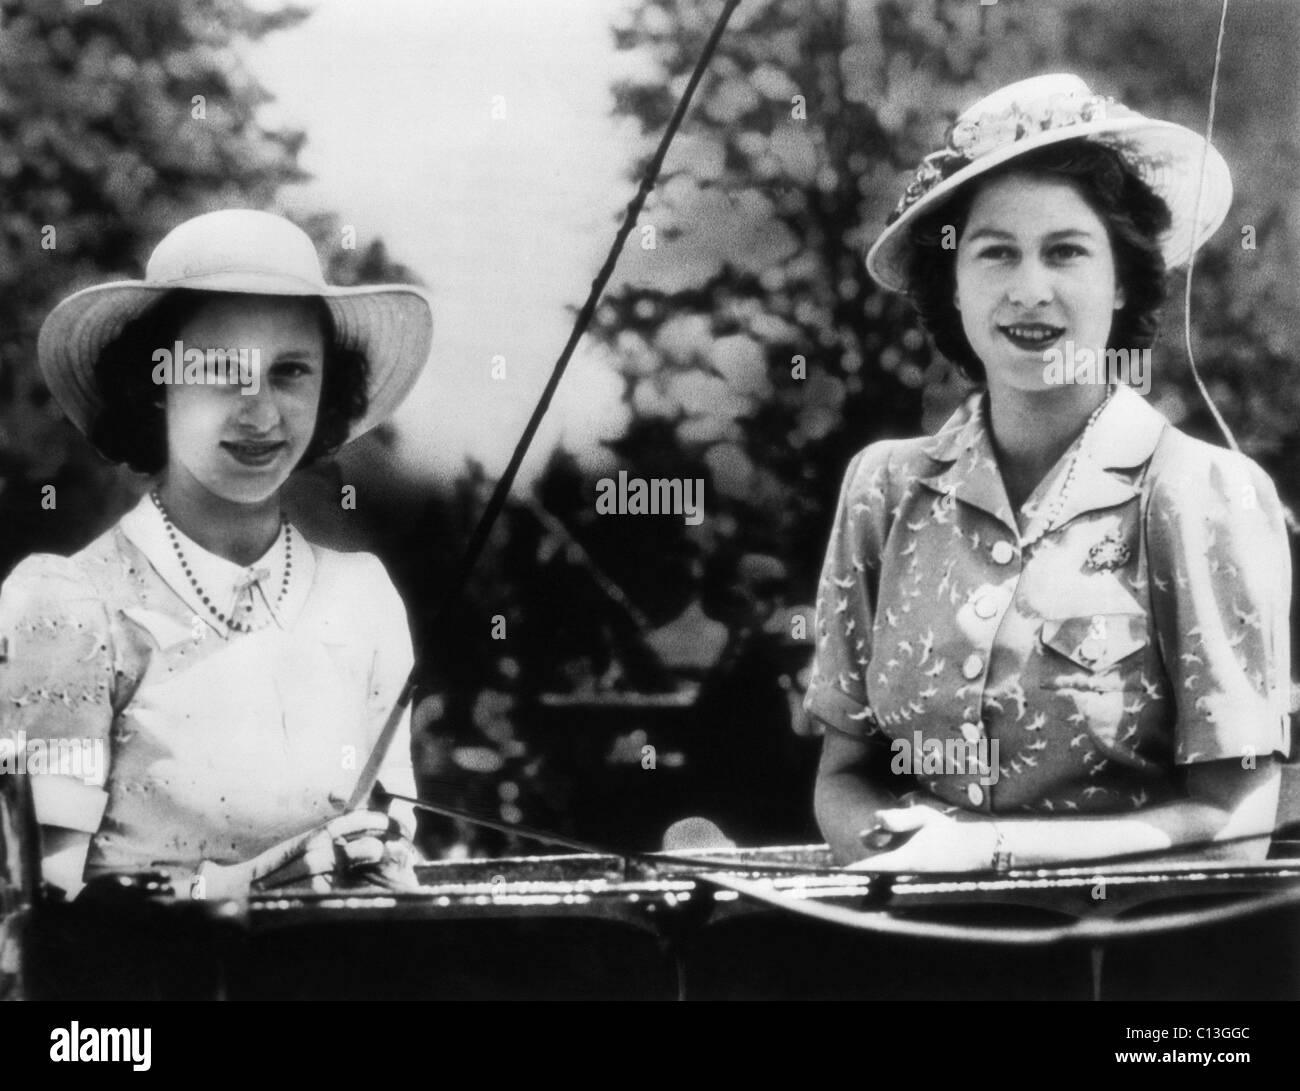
x,y
117,121
606,674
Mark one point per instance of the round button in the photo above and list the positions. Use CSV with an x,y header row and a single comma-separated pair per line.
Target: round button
x,y
1003,552
1091,649
975,794
973,667
970,732
986,606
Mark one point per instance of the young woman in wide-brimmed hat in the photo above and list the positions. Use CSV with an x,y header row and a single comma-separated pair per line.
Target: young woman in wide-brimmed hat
x,y
1058,628
233,674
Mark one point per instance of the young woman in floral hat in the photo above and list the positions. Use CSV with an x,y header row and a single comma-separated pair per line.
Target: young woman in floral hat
x,y
1057,629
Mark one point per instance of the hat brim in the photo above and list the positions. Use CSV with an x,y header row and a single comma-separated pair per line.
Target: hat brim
x,y
391,324
1165,155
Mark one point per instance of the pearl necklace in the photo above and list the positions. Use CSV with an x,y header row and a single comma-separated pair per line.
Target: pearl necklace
x,y
231,622
1048,523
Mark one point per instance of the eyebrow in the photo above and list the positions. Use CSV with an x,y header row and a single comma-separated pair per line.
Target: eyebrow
x,y
1051,236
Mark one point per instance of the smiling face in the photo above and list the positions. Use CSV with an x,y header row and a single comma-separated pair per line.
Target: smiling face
x,y
242,446
1034,270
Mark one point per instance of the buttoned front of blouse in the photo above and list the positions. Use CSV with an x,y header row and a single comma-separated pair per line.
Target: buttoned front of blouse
x,y
220,743
1146,628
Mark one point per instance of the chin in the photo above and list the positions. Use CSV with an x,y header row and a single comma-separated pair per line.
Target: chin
x,y
1025,376
249,496
254,489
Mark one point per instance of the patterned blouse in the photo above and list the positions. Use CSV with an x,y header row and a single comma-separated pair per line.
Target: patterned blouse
x,y
1147,628
218,743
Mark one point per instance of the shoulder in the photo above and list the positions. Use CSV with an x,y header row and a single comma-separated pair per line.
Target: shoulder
x,y
356,576
887,462
1195,476
43,580
890,465
54,605
348,564
90,580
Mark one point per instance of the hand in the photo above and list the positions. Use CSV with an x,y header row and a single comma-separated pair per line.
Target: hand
x,y
358,847
936,843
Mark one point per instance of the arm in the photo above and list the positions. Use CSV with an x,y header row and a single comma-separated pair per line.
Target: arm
x,y
853,779
850,791
56,701
1226,802
64,852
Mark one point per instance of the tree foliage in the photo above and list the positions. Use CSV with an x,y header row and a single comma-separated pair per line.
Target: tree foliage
x,y
809,123
117,122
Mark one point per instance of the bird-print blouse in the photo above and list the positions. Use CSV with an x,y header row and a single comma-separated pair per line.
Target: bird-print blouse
x,y
1146,628
216,743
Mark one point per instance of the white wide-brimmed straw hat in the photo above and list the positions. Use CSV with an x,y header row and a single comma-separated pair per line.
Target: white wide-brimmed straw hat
x,y
1044,110
248,252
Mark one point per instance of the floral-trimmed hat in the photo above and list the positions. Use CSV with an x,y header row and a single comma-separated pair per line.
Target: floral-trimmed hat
x,y
1034,113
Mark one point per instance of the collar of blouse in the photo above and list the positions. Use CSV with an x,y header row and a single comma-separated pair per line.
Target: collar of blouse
x,y
246,595
1124,436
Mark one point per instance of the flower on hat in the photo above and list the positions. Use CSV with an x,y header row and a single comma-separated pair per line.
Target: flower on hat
x,y
1174,162
971,138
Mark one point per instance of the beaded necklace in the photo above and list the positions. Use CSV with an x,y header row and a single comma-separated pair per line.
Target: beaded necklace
x,y
1049,521
232,622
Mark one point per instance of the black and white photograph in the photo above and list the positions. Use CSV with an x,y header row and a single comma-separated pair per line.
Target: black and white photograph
x,y
650,500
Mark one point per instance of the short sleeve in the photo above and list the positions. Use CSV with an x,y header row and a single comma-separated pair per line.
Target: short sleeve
x,y
391,666
837,693
1220,574
56,689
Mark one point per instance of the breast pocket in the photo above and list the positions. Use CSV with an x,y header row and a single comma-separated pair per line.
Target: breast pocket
x,y
1096,642
1093,665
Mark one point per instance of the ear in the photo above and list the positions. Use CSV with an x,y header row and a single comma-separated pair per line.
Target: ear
x,y
956,299
1120,300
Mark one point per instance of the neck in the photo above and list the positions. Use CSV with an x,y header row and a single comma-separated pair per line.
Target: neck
x,y
239,532
1031,430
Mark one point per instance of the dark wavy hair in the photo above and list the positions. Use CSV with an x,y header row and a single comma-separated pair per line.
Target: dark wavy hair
x,y
131,425
1134,217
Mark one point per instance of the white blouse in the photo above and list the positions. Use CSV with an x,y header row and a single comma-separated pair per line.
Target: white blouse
x,y
219,743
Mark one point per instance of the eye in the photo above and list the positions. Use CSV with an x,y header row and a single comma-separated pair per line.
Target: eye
x,y
1065,251
996,252
291,369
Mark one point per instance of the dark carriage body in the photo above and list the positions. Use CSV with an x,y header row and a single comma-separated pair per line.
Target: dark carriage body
x,y
572,927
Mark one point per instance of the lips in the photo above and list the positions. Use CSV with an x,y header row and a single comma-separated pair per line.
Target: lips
x,y
254,453
1031,336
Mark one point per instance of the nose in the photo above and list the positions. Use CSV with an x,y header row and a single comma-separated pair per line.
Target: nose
x,y
1031,286
257,414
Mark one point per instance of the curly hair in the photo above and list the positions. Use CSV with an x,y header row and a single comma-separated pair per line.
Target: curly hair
x,y
1134,217
131,424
